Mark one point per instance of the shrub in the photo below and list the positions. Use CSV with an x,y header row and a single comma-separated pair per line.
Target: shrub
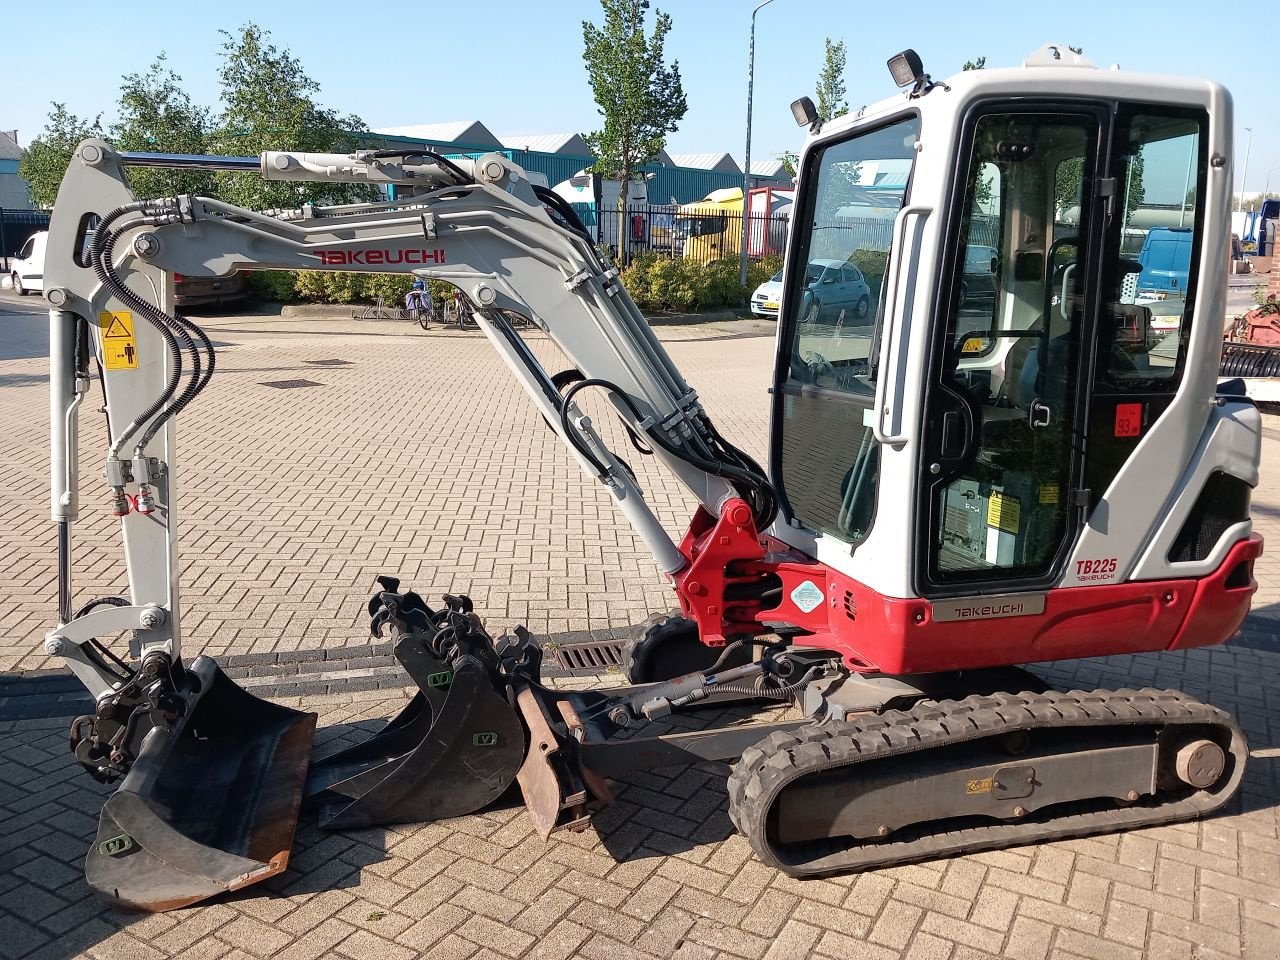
x,y
662,283
278,286
871,262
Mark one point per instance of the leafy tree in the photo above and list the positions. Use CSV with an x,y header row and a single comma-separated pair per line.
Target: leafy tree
x,y
639,96
831,91
45,160
977,64
1071,171
789,160
269,104
156,114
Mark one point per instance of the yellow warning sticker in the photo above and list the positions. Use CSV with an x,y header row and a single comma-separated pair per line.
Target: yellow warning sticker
x,y
985,785
973,345
1004,513
119,345
1048,493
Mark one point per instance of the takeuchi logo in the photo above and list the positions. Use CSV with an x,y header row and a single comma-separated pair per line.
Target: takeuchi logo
x,y
379,258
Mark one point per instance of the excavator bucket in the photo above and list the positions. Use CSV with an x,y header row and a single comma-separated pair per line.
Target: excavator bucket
x,y
433,761
209,804
454,749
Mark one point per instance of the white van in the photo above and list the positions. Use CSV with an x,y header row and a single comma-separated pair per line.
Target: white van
x,y
27,268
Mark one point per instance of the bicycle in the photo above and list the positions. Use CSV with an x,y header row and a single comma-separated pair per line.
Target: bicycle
x,y
421,308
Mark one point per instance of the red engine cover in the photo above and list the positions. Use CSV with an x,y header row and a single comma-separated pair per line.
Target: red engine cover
x,y
731,568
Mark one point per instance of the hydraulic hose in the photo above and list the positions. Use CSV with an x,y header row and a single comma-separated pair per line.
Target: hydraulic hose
x,y
175,329
783,692
107,275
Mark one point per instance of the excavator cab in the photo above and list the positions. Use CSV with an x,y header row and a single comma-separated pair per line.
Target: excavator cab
x,y
978,431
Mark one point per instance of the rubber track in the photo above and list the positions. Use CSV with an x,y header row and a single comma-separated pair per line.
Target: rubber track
x,y
782,758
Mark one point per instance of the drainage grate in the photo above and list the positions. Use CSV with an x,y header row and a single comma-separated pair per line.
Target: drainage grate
x,y
328,363
590,656
290,384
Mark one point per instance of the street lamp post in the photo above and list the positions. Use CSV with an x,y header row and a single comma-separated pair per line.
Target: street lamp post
x,y
1244,175
746,172
1267,189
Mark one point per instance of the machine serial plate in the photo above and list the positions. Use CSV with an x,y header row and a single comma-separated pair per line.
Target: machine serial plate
x,y
989,608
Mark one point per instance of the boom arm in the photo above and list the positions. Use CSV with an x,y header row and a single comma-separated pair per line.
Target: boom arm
x,y
477,224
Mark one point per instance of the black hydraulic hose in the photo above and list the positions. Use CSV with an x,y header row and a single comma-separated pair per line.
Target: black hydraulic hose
x,y
106,277
188,332
460,175
720,468
161,321
561,206
784,692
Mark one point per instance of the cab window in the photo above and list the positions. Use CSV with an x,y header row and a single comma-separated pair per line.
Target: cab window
x,y
826,458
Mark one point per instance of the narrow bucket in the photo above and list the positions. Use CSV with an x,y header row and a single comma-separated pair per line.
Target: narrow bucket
x,y
210,804
442,756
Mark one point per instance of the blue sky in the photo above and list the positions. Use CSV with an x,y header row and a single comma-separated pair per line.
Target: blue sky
x,y
517,67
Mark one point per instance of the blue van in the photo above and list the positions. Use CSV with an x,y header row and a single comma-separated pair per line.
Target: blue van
x,y
1166,261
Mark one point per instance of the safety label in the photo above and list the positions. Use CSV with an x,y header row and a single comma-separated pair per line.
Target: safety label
x,y
806,596
1004,513
119,345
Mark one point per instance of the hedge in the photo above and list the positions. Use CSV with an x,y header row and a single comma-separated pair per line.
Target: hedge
x,y
654,282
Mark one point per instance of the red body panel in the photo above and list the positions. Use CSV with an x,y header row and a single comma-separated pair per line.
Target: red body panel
x,y
729,563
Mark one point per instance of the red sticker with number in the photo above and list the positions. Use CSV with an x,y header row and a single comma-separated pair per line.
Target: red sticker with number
x,y
1128,419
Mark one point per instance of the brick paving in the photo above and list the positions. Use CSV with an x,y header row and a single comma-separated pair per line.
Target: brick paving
x,y
419,457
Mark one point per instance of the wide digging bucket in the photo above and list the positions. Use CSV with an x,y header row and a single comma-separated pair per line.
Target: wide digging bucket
x,y
454,749
210,803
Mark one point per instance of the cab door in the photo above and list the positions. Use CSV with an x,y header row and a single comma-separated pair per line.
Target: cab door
x,y
1001,454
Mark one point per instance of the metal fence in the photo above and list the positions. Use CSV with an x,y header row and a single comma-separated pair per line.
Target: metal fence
x,y
16,226
701,237
708,235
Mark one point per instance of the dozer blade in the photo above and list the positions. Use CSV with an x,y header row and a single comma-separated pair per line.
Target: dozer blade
x,y
210,803
429,763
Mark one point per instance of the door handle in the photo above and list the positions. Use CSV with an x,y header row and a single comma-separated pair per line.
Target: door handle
x,y
952,445
1039,414
885,419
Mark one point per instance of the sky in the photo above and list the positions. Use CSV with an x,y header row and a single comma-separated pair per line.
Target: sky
x,y
517,67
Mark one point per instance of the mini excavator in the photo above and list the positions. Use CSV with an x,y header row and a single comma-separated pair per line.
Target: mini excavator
x,y
1008,458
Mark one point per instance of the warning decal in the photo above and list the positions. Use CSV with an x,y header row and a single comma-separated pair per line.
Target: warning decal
x,y
119,346
1004,512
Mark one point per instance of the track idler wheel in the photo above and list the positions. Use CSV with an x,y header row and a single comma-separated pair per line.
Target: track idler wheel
x,y
667,646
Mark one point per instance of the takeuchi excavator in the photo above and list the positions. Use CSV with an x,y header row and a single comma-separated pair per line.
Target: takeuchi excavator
x,y
1008,459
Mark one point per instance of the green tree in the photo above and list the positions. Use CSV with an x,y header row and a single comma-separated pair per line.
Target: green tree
x,y
789,160
639,96
977,64
269,104
831,91
156,114
45,160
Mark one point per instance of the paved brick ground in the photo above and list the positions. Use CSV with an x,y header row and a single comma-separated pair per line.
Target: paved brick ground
x,y
297,498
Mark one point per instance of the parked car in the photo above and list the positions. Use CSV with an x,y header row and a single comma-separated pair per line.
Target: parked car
x,y
205,291
840,291
838,288
764,302
979,279
26,270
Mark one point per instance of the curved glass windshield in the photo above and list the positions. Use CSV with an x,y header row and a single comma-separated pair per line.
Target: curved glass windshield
x,y
827,461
